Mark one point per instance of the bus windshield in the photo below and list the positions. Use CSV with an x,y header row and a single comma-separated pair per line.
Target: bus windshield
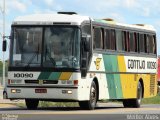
x,y
51,46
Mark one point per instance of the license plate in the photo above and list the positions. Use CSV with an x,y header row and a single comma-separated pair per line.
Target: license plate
x,y
41,90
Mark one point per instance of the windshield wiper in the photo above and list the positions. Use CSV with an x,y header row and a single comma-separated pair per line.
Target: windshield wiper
x,y
50,58
32,58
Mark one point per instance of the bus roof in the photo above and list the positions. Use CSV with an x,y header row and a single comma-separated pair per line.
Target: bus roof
x,y
136,26
71,19
50,19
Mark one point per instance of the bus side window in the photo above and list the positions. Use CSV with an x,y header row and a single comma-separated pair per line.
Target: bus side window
x,y
136,41
119,40
155,45
98,38
126,39
110,39
107,39
152,46
141,43
113,39
146,44
132,42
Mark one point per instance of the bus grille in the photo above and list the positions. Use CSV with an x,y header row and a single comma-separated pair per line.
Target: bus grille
x,y
152,84
43,82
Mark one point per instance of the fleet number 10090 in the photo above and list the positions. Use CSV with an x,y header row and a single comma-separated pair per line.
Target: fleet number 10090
x,y
23,75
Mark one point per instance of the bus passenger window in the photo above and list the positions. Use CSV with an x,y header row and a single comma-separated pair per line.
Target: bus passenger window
x,y
132,42
126,39
98,39
119,41
110,39
107,39
147,44
146,48
141,43
152,45
136,41
113,40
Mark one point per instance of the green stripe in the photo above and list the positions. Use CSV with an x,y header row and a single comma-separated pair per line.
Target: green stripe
x,y
54,76
113,80
44,75
118,85
108,61
49,76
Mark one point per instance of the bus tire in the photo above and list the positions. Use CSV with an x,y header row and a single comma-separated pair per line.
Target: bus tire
x,y
31,104
91,103
135,103
5,96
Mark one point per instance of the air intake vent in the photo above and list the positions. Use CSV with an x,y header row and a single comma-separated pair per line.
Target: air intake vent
x,y
108,19
68,13
43,81
152,84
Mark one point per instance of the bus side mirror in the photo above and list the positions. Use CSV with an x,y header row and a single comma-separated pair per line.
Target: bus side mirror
x,y
4,45
86,43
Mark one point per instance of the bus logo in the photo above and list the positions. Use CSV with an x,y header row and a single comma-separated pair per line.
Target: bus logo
x,y
97,63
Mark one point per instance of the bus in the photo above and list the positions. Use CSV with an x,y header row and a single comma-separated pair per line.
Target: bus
x,y
73,58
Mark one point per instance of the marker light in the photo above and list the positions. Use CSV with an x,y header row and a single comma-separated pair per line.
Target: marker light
x,y
75,82
9,81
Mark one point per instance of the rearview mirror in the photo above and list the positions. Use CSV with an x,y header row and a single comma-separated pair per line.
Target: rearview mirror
x,y
4,46
86,42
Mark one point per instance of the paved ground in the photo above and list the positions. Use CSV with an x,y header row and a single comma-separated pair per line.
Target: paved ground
x,y
5,103
114,111
104,111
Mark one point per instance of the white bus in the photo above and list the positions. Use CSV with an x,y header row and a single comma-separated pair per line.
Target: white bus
x,y
68,57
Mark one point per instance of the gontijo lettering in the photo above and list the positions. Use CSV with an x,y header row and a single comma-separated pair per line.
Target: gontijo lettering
x,y
141,64
136,64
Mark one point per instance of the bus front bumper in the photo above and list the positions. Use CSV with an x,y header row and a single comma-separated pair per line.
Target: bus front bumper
x,y
43,93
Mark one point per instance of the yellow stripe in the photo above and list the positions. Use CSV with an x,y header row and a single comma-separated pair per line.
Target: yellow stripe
x,y
121,64
65,75
127,80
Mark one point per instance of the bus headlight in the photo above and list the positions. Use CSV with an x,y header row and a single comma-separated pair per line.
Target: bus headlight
x,y
66,91
15,91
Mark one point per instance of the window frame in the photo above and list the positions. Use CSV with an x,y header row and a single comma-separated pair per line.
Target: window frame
x,y
102,38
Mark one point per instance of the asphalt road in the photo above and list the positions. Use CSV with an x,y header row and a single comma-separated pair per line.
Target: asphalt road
x,y
104,111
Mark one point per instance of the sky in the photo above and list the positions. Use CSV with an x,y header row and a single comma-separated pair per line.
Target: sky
x,y
123,11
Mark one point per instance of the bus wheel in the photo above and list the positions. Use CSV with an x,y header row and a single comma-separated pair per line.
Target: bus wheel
x,y
5,96
91,103
135,103
31,104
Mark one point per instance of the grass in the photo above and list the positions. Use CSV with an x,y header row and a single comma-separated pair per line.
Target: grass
x,y
58,104
52,104
153,100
